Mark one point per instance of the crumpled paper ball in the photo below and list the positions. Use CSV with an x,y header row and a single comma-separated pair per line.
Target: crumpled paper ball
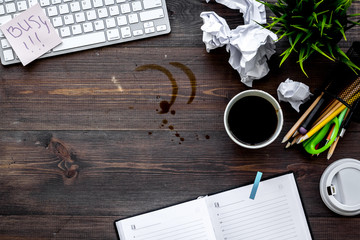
x,y
296,93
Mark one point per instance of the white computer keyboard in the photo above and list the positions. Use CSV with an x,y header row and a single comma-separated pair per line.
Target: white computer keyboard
x,y
90,23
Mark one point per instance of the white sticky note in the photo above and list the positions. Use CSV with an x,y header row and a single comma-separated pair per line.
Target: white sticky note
x,y
31,34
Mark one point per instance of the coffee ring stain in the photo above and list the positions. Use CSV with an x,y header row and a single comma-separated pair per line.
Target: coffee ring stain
x,y
164,105
191,77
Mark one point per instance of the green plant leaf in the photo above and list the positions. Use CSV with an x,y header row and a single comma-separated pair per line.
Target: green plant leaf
x,y
301,61
321,52
317,4
341,29
330,49
300,28
308,35
323,23
285,54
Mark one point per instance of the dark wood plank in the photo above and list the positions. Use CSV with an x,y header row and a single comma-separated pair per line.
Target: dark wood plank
x,y
83,141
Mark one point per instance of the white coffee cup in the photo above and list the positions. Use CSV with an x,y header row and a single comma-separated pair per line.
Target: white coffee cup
x,y
268,98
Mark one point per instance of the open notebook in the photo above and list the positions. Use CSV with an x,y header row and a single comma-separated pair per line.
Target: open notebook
x,y
276,213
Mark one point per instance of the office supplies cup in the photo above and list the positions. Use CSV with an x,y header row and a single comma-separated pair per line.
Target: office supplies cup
x,y
253,119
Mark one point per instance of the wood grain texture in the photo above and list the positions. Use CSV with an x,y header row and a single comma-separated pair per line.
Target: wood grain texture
x,y
83,143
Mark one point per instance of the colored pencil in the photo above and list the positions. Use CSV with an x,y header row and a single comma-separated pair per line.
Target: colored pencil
x,y
301,119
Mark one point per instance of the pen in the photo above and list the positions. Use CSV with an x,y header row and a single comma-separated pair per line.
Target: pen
x,y
348,119
308,121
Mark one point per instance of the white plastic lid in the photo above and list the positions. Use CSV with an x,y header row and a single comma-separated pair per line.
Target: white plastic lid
x,y
340,188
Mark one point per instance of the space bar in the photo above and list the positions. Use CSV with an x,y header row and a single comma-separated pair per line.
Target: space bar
x,y
78,41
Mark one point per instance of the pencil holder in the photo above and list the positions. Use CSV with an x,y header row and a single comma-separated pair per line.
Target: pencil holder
x,y
344,84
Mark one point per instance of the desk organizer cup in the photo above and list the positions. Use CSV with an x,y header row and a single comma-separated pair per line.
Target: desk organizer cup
x,y
253,119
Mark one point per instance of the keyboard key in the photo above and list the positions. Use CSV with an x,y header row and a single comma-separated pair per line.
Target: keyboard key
x,y
152,14
125,8
8,55
21,5
10,8
80,17
88,27
91,15
110,23
125,32
2,10
44,3
138,32
150,30
121,20
114,10
65,31
55,1
161,28
148,24
69,19
102,13
57,21
32,2
136,6
99,25
97,3
5,19
133,18
113,34
86,4
64,9
151,4
109,2
75,7
76,29
52,11
81,40
5,43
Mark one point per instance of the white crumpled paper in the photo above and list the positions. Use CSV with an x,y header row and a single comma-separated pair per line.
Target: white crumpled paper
x,y
296,93
252,10
250,45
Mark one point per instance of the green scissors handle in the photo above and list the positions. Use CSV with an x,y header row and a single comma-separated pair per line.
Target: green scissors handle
x,y
310,144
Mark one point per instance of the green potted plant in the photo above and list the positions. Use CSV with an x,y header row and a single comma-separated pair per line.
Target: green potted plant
x,y
312,26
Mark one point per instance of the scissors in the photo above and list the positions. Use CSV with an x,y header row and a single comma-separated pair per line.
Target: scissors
x,y
311,144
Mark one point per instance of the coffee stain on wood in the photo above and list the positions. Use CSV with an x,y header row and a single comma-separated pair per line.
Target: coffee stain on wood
x,y
191,77
164,105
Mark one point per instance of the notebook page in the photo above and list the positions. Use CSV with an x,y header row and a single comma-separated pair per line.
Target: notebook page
x,y
276,213
185,221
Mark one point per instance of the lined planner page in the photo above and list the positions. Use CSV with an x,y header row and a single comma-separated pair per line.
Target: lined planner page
x,y
276,213
185,221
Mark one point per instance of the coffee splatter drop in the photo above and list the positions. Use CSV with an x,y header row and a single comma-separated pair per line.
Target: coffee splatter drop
x,y
165,106
173,112
207,137
171,127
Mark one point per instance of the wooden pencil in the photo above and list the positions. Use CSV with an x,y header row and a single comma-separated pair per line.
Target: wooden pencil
x,y
312,131
301,119
332,148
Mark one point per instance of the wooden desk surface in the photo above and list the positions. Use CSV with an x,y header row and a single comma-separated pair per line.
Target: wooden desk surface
x,y
83,142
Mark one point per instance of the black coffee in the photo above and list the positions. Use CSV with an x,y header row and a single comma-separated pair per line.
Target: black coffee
x,y
252,120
